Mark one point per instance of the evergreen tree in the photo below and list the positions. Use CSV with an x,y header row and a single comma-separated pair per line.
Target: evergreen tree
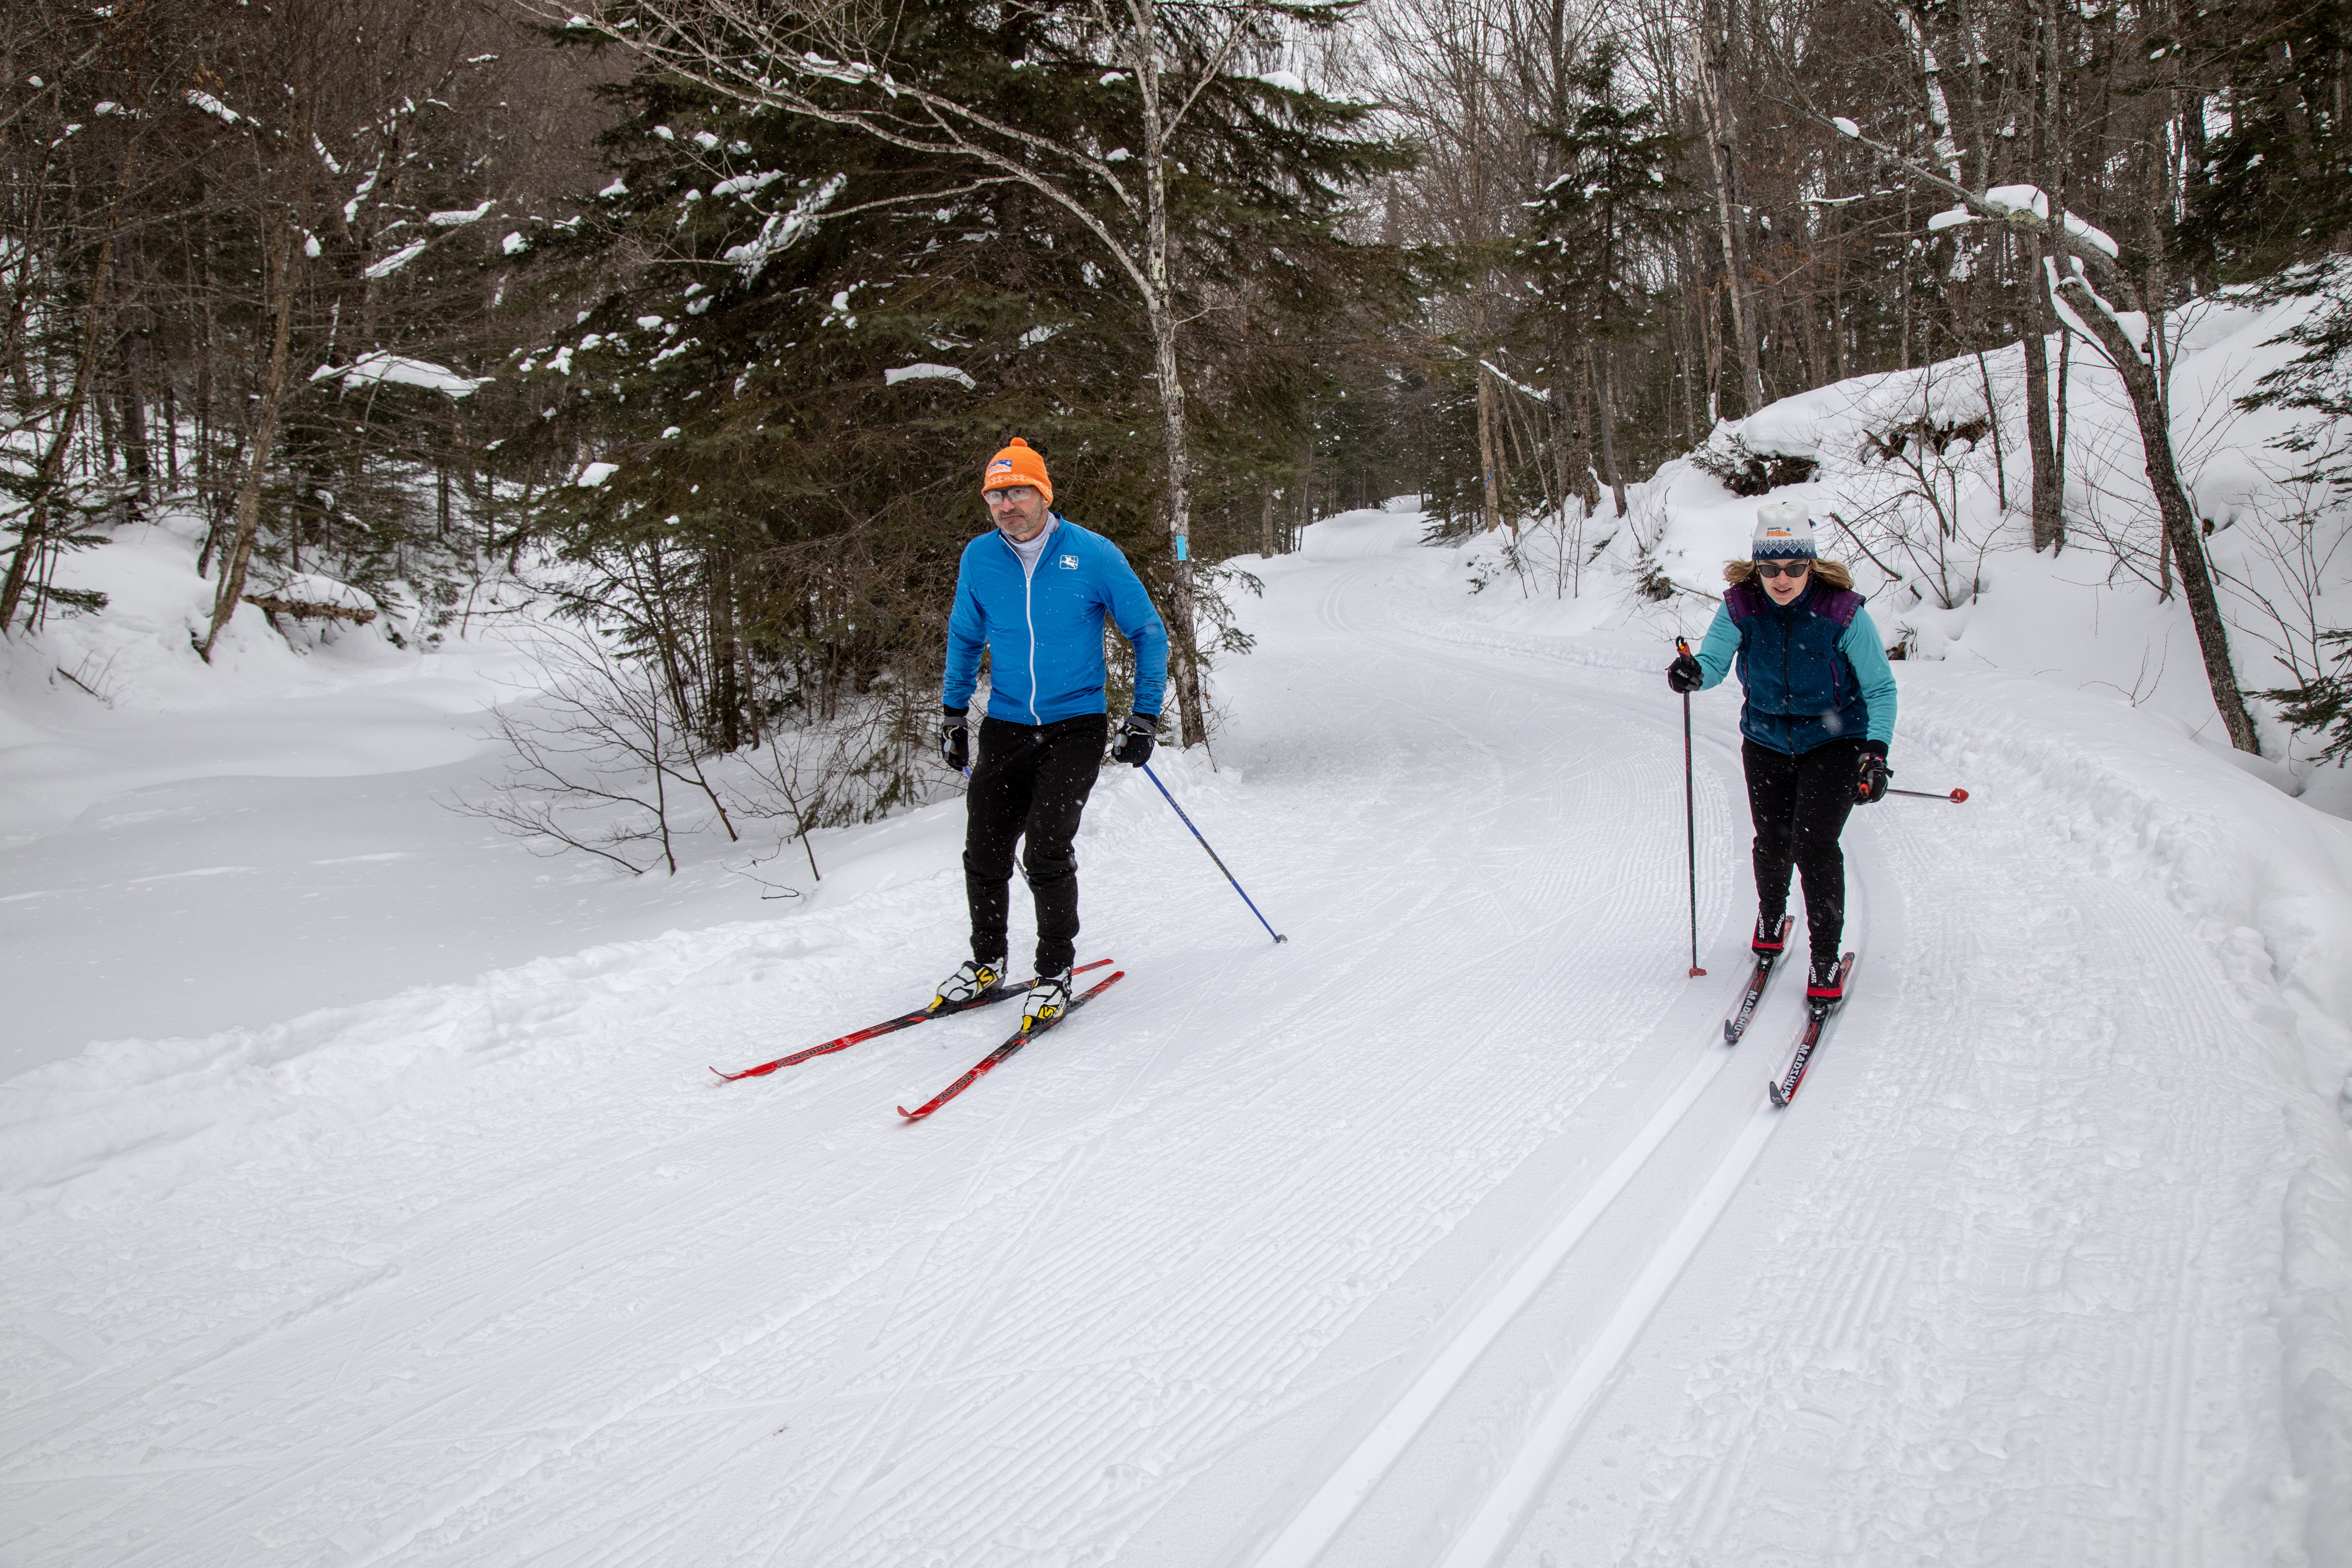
x,y
2270,184
808,339
1599,226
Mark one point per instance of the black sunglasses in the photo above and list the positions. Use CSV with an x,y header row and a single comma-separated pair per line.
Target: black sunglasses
x,y
1793,569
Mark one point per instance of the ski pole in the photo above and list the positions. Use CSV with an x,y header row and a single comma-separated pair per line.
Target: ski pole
x,y
1957,795
1690,815
1213,853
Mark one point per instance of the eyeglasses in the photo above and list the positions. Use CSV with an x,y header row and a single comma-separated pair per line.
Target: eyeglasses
x,y
1793,569
1021,493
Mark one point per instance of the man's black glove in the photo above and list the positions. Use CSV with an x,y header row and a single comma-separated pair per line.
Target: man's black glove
x,y
1135,738
1871,784
1685,675
955,740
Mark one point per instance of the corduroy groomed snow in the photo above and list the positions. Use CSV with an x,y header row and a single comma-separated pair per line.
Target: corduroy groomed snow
x,y
1016,465
1783,532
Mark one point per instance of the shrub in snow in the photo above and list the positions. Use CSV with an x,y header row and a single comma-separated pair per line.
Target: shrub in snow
x,y
1747,472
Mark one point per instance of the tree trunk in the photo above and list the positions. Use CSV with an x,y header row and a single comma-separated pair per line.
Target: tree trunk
x,y
1184,663
1266,526
726,693
2044,425
1608,423
1721,151
264,438
1183,653
2049,523
1576,462
2181,530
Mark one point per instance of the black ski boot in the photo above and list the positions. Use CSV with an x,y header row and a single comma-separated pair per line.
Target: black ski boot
x,y
1825,983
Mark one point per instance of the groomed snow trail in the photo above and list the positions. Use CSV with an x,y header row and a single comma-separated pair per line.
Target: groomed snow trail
x,y
1447,1232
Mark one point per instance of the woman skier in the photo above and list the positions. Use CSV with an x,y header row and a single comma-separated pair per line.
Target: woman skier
x,y
1820,712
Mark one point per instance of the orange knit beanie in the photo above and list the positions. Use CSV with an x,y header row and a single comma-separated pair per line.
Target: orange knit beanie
x,y
1016,465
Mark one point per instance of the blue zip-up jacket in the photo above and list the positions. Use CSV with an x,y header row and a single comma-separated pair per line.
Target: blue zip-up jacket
x,y
1815,672
1044,633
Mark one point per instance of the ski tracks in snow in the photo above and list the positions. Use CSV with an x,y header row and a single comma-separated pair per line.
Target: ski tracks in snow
x,y
1448,1232
2108,1322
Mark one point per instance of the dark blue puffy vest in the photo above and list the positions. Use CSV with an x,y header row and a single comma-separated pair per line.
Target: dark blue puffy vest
x,y
1801,692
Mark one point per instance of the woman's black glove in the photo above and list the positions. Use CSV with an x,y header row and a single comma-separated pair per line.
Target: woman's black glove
x,y
1135,738
1871,784
955,740
1685,675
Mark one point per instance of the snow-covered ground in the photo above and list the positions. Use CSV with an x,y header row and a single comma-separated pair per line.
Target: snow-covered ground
x,y
188,849
1447,1232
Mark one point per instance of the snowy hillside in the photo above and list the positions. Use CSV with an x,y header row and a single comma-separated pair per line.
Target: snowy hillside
x,y
1446,1232
1927,476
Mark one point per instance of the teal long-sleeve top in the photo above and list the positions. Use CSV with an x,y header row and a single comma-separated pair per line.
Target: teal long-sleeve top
x,y
1814,671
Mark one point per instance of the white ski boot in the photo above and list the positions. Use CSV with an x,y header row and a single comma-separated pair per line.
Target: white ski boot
x,y
969,983
1049,998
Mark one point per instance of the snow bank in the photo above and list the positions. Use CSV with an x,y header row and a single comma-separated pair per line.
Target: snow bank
x,y
95,703
1921,481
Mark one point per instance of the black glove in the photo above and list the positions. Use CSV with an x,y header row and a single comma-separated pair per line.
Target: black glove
x,y
1685,675
1135,738
955,740
1871,784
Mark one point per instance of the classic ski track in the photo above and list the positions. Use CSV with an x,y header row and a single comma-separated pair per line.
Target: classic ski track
x,y
569,1301
2135,1420
1313,1526
424,1235
2150,1398
1224,1086
419,1235
1214,1291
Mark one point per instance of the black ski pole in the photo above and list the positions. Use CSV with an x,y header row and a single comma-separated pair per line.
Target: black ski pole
x,y
1213,853
1956,796
1690,816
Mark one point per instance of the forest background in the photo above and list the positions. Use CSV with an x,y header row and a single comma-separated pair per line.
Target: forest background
x,y
694,320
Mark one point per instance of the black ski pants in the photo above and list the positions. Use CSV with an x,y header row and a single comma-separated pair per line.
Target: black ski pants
x,y
1799,805
1032,782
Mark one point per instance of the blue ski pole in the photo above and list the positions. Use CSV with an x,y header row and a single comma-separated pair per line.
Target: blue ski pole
x,y
1213,853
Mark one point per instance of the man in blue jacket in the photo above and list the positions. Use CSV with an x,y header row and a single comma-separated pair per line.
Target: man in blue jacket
x,y
1034,592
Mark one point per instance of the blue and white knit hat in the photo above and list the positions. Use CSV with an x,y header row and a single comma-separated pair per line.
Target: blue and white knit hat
x,y
1783,532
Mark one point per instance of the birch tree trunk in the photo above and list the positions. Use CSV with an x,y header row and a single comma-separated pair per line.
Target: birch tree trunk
x,y
1185,662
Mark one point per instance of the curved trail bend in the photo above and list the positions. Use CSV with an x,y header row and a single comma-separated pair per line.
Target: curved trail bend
x,y
1447,1233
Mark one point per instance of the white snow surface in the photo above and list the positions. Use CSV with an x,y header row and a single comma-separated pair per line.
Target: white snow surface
x,y
926,371
397,259
1447,1231
379,365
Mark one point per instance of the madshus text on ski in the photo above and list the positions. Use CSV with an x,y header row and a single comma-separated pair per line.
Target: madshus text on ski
x,y
1036,590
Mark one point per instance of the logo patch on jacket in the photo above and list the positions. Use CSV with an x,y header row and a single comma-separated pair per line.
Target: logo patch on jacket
x,y
1069,562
